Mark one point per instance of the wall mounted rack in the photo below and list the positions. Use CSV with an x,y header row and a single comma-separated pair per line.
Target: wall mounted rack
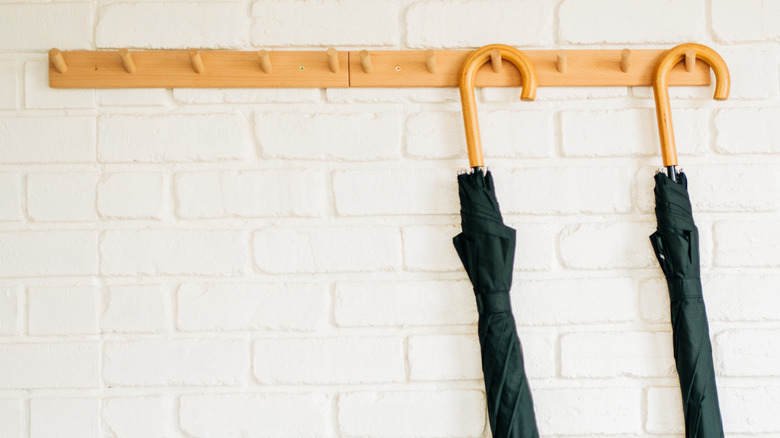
x,y
330,68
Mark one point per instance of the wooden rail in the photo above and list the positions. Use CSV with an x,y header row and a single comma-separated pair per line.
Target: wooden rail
x,y
341,69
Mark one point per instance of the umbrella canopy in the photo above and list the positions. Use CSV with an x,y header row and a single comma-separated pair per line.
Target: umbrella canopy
x,y
676,245
486,248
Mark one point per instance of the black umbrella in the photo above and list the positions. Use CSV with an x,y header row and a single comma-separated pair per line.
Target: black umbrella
x,y
676,245
487,248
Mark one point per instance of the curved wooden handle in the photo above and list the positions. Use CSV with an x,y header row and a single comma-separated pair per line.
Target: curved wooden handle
x,y
661,90
478,58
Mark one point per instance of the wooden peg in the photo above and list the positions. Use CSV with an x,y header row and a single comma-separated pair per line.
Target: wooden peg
x,y
127,61
495,60
560,63
625,60
430,61
59,62
333,60
197,63
265,61
365,59
690,60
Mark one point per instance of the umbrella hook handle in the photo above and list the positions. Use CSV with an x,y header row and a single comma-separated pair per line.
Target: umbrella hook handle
x,y
661,92
476,60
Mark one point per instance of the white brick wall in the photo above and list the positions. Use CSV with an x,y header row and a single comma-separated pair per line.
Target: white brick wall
x,y
412,413
64,417
279,262
261,415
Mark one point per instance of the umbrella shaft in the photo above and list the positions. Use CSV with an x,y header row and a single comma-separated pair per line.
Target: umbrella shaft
x,y
671,171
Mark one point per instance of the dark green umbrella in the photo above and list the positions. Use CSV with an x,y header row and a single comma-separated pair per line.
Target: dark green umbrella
x,y
676,245
487,249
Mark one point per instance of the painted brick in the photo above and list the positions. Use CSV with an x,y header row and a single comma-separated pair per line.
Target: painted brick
x,y
60,365
748,188
576,301
747,131
664,411
120,415
48,253
158,25
753,71
130,195
171,362
173,252
602,411
8,95
394,95
646,21
10,307
632,354
505,134
757,299
61,197
631,132
268,415
321,23
608,246
654,303
412,414
540,353
395,192
134,97
565,190
742,243
747,352
11,418
512,94
47,139
172,138
63,310
429,248
404,303
65,417
431,24
365,135
246,95
445,357
609,133
209,307
41,26
751,20
329,360
536,248
136,309
750,409
264,193
10,197
38,94
327,249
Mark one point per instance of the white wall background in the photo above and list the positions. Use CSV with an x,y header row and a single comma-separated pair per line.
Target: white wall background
x,y
277,263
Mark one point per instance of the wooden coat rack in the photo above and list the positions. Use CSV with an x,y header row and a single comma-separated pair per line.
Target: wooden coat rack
x,y
341,69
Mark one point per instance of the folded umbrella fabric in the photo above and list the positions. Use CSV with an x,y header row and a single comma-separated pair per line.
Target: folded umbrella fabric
x,y
486,248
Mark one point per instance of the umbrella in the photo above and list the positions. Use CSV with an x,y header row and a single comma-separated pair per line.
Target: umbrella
x,y
676,245
486,248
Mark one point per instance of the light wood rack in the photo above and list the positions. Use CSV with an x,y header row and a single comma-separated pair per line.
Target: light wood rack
x,y
330,68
